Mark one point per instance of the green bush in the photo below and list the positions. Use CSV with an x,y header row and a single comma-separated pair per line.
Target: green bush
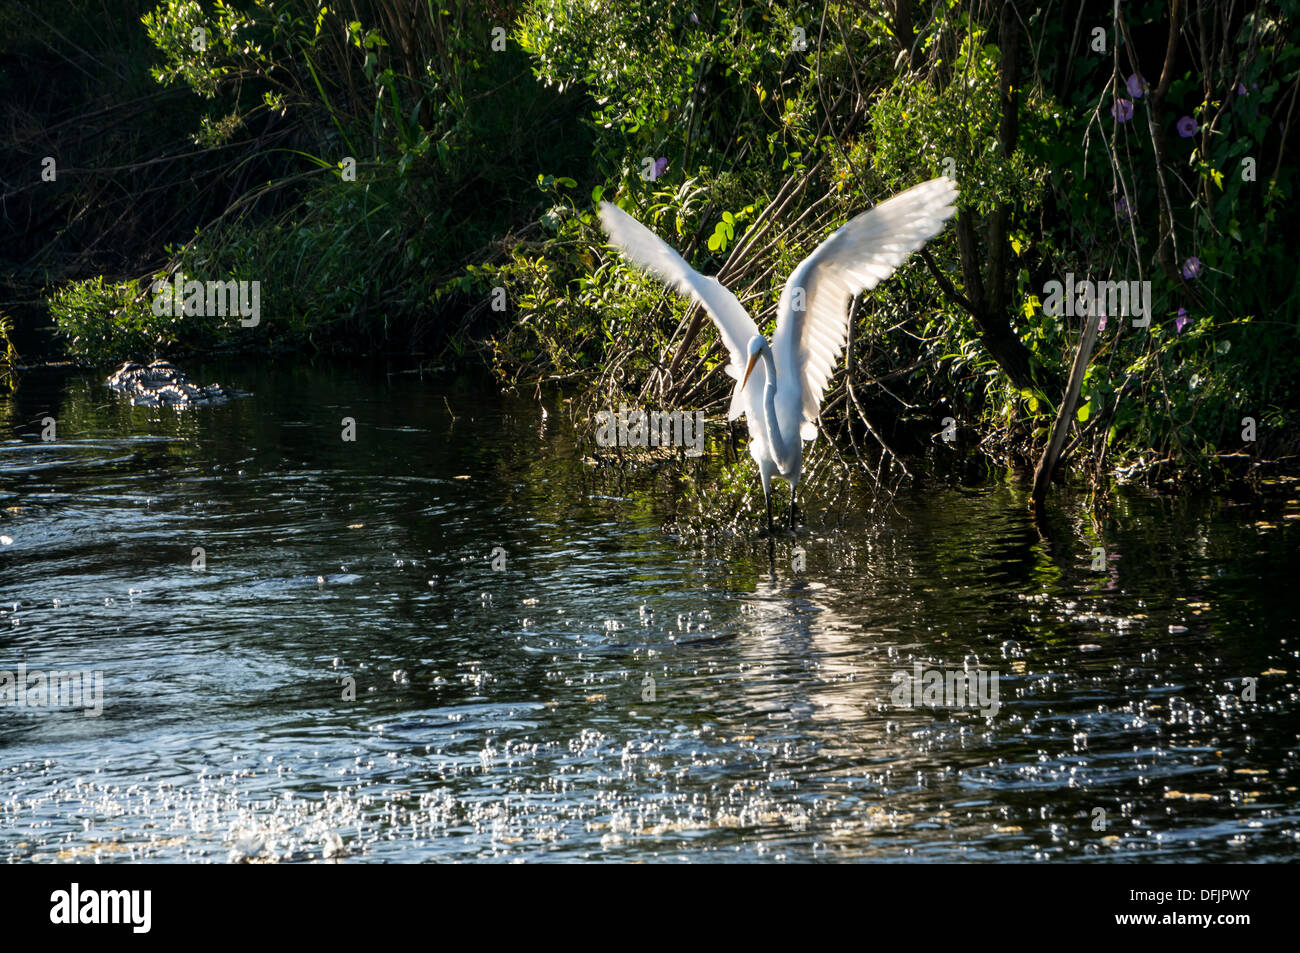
x,y
109,322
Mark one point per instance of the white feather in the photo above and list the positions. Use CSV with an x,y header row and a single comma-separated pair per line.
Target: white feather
x,y
651,253
856,258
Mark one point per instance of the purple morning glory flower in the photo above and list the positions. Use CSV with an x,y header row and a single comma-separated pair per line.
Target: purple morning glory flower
x,y
1122,110
661,166
1241,90
1182,320
1187,127
1121,207
1101,325
1191,268
1137,86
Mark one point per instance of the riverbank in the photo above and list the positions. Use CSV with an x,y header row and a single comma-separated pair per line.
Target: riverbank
x,y
388,206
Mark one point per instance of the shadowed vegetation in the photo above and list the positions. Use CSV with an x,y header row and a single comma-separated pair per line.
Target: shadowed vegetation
x,y
407,177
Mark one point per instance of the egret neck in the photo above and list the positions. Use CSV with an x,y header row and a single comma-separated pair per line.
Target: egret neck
x,y
786,461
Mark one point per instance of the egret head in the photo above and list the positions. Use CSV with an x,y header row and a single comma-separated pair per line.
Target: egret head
x,y
757,344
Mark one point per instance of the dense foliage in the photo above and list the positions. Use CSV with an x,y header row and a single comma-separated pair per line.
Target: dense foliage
x,y
401,175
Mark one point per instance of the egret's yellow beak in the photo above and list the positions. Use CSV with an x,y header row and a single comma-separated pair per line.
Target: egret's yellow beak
x,y
749,369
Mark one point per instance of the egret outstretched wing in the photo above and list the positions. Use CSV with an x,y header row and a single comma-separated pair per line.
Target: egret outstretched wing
x,y
856,258
651,253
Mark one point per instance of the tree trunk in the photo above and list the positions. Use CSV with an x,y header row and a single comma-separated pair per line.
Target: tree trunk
x,y
1065,415
987,292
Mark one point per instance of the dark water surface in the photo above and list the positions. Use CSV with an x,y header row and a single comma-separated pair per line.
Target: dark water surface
x,y
507,714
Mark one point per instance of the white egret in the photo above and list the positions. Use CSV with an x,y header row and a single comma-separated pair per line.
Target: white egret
x,y
780,385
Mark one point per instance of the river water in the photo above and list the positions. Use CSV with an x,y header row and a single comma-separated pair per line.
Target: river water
x,y
454,638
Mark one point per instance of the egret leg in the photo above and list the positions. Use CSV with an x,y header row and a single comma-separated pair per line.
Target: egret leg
x,y
792,506
765,479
